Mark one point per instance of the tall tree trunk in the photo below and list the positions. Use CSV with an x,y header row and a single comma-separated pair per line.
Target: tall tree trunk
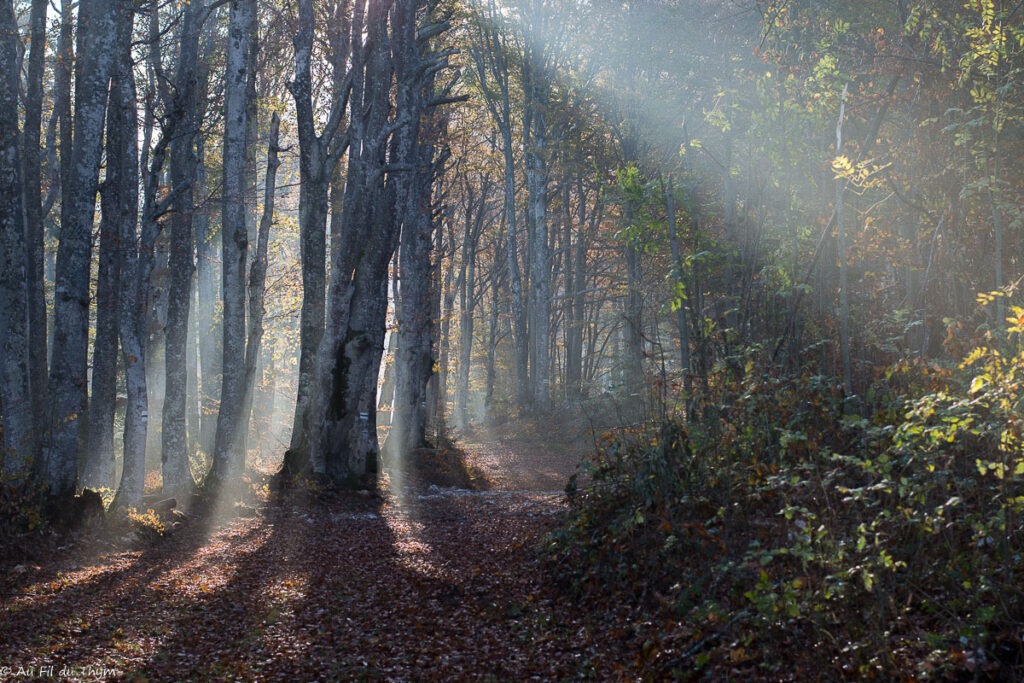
x,y
844,292
177,474
98,463
318,156
341,446
413,359
633,340
63,75
258,276
140,259
69,367
535,142
34,211
207,257
490,58
474,220
520,341
228,460
19,429
136,261
493,322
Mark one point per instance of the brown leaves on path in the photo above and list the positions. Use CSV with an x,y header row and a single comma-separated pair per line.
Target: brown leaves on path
x,y
440,584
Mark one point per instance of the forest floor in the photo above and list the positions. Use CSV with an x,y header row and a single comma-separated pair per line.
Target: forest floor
x,y
429,580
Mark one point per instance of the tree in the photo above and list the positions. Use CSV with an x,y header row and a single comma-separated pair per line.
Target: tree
x,y
19,429
183,105
343,441
68,371
319,155
490,50
229,458
257,283
414,359
34,206
121,201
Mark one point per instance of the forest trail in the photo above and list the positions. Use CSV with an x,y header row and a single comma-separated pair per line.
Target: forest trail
x,y
442,584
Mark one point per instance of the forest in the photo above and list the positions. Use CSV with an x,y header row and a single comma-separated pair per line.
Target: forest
x,y
512,339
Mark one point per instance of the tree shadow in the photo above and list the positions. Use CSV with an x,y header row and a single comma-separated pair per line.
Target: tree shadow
x,y
317,587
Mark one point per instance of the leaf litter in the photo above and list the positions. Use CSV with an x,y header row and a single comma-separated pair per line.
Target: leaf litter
x,y
438,582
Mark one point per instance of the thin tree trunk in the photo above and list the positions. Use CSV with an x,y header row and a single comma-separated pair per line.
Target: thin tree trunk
x,y
490,56
535,143
680,304
258,276
136,260
98,465
140,260
474,220
445,305
844,292
207,257
34,212
228,460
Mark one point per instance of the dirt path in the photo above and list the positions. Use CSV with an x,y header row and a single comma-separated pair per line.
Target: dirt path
x,y
441,585
517,465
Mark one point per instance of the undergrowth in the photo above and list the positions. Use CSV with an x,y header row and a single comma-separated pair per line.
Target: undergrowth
x,y
790,535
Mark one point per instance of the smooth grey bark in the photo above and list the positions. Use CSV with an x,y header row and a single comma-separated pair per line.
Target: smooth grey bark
x,y
494,313
258,276
120,200
68,368
136,271
421,339
228,457
318,156
98,462
413,359
537,61
208,293
158,94
445,287
19,430
177,475
63,74
576,284
34,209
342,448
204,349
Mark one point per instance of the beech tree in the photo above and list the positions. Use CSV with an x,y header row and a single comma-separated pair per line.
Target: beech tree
x,y
68,371
490,50
183,105
319,154
229,457
36,206
121,201
19,426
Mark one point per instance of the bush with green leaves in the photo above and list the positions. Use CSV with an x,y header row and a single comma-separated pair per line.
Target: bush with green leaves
x,y
888,532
